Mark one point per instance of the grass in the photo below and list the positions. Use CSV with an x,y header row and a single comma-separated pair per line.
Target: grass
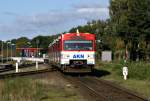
x,y
27,89
138,78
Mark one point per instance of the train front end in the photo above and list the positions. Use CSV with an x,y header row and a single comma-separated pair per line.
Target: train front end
x,y
78,52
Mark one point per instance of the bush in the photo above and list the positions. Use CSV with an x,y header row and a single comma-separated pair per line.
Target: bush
x,y
136,70
139,70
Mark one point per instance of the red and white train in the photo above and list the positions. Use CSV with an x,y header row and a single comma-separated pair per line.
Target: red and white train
x,y
73,52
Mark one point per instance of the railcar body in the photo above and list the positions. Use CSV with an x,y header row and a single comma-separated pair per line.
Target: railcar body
x,y
73,52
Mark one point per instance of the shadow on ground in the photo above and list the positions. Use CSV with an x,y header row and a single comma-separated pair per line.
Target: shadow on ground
x,y
100,73
95,73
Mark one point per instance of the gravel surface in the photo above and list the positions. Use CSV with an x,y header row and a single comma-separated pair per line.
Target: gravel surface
x,y
56,79
27,68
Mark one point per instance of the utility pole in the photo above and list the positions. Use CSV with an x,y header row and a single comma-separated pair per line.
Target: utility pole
x,y
7,49
37,42
2,51
12,50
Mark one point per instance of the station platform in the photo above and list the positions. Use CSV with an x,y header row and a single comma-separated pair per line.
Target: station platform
x,y
5,66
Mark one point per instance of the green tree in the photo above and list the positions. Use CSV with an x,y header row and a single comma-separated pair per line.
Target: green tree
x,y
22,42
43,41
130,19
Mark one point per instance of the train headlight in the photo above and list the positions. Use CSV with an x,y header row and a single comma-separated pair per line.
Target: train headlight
x,y
65,56
91,56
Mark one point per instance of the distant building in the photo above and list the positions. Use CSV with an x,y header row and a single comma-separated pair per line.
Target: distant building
x,y
106,56
29,52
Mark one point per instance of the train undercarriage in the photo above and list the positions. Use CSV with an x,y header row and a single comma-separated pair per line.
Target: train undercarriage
x,y
77,66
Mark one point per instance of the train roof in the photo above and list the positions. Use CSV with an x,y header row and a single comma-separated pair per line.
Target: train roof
x,y
78,36
69,34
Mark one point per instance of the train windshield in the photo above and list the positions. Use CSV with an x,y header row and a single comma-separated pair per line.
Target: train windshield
x,y
78,45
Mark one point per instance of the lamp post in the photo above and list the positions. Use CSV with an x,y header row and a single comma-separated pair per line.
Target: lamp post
x,y
28,52
12,49
37,42
7,52
11,52
98,41
2,52
7,49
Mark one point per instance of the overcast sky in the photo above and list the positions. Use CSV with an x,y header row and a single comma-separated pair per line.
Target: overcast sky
x,y
30,18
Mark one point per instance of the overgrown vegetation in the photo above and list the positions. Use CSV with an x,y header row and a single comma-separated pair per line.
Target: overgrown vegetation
x,y
138,71
27,89
138,77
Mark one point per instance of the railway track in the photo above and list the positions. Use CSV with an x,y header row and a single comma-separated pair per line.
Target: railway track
x,y
28,73
119,88
95,89
5,69
100,90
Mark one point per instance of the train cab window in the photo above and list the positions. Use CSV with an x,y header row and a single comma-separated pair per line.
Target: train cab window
x,y
78,45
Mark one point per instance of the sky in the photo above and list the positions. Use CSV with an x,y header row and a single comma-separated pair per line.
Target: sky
x,y
30,18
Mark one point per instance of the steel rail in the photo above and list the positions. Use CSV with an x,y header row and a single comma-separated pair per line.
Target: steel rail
x,y
110,84
9,75
86,84
88,89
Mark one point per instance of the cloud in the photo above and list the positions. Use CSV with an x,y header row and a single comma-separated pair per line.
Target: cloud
x,y
92,10
10,13
91,5
54,21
